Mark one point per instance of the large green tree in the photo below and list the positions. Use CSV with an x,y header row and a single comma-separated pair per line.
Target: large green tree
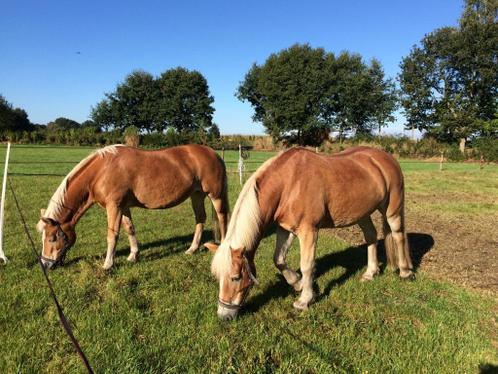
x,y
301,94
177,99
185,103
449,82
286,92
133,103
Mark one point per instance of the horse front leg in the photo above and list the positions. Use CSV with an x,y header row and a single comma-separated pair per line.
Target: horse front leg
x,y
307,242
114,215
130,230
284,241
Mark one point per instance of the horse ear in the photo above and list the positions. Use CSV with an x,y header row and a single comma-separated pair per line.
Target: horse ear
x,y
48,221
40,226
238,252
42,212
212,247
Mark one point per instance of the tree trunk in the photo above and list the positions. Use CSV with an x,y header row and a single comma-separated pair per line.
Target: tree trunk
x,y
462,145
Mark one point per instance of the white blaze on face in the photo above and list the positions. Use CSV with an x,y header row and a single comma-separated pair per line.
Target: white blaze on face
x,y
43,241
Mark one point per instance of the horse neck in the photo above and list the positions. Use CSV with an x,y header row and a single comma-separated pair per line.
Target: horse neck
x,y
251,220
77,198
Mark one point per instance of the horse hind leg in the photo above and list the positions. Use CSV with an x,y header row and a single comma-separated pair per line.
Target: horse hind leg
x,y
370,234
220,219
402,256
284,241
130,230
197,200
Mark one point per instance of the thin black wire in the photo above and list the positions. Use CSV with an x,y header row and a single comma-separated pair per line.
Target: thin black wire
x,y
62,317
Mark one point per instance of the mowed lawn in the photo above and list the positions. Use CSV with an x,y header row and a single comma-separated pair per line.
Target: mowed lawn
x,y
159,315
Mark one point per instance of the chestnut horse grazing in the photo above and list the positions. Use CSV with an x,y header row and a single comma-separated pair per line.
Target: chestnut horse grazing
x,y
303,191
119,177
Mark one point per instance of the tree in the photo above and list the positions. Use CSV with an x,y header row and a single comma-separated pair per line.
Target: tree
x,y
132,104
360,97
64,124
383,96
184,101
13,119
301,94
286,93
177,99
449,83
102,115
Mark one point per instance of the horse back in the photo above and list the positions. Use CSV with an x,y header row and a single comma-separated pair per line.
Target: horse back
x,y
160,178
330,190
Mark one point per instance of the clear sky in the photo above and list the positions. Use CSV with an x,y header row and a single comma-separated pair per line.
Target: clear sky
x,y
58,58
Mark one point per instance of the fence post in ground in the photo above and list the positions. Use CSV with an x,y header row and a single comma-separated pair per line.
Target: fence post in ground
x,y
241,166
2,203
441,161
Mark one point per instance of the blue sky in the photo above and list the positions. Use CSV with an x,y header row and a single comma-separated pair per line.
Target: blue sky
x,y
41,71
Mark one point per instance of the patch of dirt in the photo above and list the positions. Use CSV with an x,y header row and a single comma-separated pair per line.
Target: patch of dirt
x,y
463,249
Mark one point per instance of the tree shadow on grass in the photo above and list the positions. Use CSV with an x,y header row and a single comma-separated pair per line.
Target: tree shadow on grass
x,y
173,246
352,259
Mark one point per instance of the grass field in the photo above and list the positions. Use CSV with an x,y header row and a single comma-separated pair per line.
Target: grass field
x,y
159,315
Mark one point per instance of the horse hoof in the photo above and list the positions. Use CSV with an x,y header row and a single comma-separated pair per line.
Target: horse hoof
x,y
366,278
106,267
132,258
369,276
299,305
191,251
408,277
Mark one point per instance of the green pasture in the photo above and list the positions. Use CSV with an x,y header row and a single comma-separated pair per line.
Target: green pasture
x,y
159,315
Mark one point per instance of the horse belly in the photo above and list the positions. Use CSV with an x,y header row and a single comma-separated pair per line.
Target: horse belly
x,y
160,193
351,207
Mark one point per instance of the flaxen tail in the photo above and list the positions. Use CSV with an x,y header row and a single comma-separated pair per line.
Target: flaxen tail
x,y
390,245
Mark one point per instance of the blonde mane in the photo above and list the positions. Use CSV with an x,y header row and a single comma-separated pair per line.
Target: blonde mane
x,y
243,228
56,203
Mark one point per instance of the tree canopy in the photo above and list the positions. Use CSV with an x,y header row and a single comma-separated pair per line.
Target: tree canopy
x,y
13,119
177,99
449,82
301,94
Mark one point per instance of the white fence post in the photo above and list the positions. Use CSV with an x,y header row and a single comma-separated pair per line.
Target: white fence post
x,y
2,203
241,166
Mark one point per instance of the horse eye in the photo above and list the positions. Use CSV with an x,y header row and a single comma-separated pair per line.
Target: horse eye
x,y
235,278
52,239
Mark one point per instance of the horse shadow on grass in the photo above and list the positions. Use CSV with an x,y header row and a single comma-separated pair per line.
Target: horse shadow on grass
x,y
352,259
173,245
488,369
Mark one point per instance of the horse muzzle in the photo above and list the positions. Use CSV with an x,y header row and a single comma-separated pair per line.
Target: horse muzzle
x,y
47,263
227,312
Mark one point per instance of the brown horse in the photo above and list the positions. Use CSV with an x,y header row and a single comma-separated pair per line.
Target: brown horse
x,y
118,178
303,191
